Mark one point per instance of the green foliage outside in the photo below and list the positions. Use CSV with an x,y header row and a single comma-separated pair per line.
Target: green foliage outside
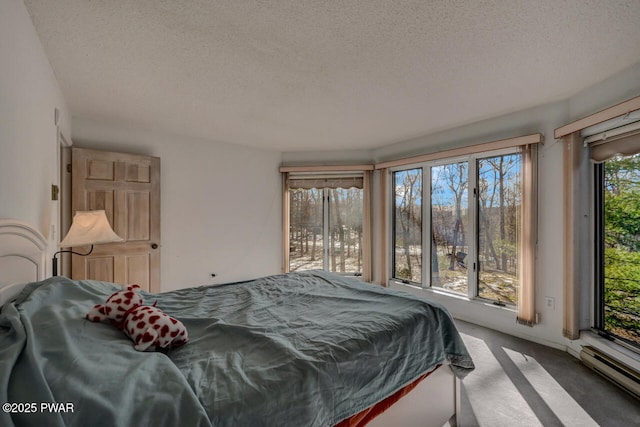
x,y
622,247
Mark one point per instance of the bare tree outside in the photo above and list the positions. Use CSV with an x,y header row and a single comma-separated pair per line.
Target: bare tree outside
x,y
339,232
306,229
499,201
449,214
407,200
494,240
345,229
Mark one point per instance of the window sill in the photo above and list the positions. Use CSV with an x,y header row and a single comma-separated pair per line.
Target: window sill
x,y
461,307
439,294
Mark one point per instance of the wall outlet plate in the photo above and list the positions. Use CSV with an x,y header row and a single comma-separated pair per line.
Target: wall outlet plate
x,y
549,303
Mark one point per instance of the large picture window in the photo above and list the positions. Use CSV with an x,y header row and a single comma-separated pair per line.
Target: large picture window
x,y
474,213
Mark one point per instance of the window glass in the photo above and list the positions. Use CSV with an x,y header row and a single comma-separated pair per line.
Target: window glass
x,y
474,249
449,220
326,229
499,201
619,282
306,241
407,230
345,230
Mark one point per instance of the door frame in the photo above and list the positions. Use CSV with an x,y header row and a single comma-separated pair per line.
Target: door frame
x,y
64,197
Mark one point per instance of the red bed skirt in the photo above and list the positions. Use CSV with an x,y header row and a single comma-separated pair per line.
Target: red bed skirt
x,y
363,418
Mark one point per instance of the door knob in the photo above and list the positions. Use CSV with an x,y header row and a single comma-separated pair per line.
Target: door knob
x,y
154,246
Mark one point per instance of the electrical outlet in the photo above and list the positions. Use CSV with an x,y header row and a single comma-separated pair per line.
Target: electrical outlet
x,y
549,303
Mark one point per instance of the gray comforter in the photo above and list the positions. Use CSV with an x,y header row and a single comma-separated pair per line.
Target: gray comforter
x,y
302,349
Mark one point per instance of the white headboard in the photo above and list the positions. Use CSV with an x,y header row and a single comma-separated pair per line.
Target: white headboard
x,y
22,257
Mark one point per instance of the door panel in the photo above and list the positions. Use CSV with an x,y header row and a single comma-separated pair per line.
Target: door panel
x,y
100,268
138,205
127,187
135,267
100,170
138,173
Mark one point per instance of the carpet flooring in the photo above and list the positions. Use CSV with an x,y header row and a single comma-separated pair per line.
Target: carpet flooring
x,y
520,383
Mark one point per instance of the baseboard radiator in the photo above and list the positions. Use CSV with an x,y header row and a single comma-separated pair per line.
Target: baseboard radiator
x,y
612,369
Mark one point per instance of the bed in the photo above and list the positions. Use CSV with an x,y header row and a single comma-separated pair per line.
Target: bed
x,y
301,349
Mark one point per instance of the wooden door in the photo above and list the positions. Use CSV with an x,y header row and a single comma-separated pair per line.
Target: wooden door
x,y
127,187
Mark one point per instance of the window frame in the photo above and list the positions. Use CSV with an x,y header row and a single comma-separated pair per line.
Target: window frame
x,y
598,246
361,172
392,228
472,226
471,223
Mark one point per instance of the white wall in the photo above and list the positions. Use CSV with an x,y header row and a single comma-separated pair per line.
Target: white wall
x,y
29,94
617,88
221,204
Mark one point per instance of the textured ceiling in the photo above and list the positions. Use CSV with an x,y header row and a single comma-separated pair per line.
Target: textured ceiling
x,y
297,75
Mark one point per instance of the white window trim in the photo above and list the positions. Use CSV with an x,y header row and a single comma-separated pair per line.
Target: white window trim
x,y
471,160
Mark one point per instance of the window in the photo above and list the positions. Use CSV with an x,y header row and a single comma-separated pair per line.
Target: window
x,y
449,226
475,224
499,200
618,248
326,229
306,236
407,231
